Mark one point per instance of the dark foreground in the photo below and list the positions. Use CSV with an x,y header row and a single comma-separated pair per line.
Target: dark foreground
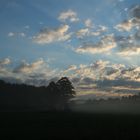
x,y
68,125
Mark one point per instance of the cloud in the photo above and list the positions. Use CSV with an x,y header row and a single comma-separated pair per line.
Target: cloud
x,y
135,11
69,71
5,61
34,71
82,32
22,34
125,26
87,71
88,23
72,67
129,50
96,33
47,36
88,31
39,70
68,15
6,72
128,46
102,28
37,73
13,34
27,27
99,70
132,21
94,49
28,68
103,70
106,44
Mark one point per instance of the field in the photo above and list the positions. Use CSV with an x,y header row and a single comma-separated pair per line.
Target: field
x,y
69,125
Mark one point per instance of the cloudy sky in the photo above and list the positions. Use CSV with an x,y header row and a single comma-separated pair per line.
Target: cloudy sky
x,y
91,42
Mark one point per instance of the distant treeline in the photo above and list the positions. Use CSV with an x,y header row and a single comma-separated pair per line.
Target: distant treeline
x,y
124,99
23,97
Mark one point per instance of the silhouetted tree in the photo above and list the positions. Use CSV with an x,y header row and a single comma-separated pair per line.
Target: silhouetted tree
x,y
60,93
52,95
65,87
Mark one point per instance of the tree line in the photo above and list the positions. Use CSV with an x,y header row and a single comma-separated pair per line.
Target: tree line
x,y
55,96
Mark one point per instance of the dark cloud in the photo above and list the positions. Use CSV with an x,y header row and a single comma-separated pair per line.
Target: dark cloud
x,y
88,81
132,22
26,68
128,45
135,11
119,82
75,80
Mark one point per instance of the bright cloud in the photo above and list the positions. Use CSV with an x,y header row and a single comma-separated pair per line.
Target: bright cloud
x,y
104,70
125,26
105,45
47,36
68,15
36,73
130,51
88,31
102,28
69,71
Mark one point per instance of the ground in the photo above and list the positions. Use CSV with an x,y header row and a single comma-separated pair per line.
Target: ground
x,y
69,125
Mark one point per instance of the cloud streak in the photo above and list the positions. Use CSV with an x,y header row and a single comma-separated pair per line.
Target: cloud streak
x,y
16,34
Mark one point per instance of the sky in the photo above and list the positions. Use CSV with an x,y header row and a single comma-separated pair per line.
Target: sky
x,y
91,42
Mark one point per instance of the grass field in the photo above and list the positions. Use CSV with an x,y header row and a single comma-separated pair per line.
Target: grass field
x,y
69,125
